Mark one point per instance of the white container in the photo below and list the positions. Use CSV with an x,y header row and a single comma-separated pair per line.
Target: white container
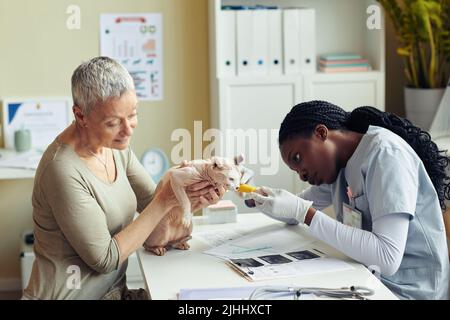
x,y
225,211
421,105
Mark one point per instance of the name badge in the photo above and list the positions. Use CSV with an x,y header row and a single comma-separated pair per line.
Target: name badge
x,y
352,216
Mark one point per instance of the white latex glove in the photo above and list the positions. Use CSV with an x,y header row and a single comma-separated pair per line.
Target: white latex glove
x,y
246,175
280,204
246,178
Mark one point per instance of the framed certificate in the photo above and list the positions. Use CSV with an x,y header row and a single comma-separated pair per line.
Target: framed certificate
x,y
44,117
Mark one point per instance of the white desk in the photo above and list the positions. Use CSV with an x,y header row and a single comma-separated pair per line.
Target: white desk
x,y
166,275
11,173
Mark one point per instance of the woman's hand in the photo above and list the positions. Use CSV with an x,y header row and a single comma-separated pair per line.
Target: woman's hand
x,y
203,194
164,193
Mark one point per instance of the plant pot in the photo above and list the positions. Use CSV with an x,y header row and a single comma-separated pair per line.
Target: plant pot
x,y
421,105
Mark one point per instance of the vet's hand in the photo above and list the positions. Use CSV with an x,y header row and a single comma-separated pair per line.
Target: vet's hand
x,y
246,178
203,194
280,204
246,175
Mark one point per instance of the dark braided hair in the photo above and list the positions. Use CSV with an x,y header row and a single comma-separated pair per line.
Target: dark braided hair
x,y
304,117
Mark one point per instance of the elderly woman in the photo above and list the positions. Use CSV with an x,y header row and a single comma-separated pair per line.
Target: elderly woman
x,y
88,186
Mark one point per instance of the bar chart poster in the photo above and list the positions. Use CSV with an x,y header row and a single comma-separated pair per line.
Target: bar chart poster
x,y
136,41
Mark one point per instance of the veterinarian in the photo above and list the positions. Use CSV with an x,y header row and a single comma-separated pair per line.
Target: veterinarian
x,y
387,183
87,188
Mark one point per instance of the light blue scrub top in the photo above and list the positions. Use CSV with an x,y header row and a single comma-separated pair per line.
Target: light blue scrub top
x,y
386,176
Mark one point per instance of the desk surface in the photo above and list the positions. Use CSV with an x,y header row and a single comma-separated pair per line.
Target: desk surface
x,y
13,173
165,276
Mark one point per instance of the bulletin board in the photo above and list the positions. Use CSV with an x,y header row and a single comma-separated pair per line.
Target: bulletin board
x,y
136,41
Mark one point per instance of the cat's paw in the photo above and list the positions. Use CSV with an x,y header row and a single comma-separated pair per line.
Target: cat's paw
x,y
187,219
186,222
182,246
159,251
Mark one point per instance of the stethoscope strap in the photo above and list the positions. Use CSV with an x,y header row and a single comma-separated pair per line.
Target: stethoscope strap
x,y
353,292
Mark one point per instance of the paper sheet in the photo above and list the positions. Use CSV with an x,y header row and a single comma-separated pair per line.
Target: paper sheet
x,y
292,269
27,160
270,252
215,238
264,240
136,41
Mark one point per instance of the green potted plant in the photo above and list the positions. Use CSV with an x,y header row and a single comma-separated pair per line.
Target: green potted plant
x,y
423,33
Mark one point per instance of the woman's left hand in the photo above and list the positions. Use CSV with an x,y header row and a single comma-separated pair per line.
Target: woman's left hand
x,y
203,194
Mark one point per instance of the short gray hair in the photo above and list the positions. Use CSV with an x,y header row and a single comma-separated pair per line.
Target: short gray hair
x,y
97,80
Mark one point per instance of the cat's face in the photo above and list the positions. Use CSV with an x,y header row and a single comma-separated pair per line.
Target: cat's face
x,y
225,172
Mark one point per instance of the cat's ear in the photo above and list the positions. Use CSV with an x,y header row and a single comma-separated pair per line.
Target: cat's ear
x,y
217,163
238,159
